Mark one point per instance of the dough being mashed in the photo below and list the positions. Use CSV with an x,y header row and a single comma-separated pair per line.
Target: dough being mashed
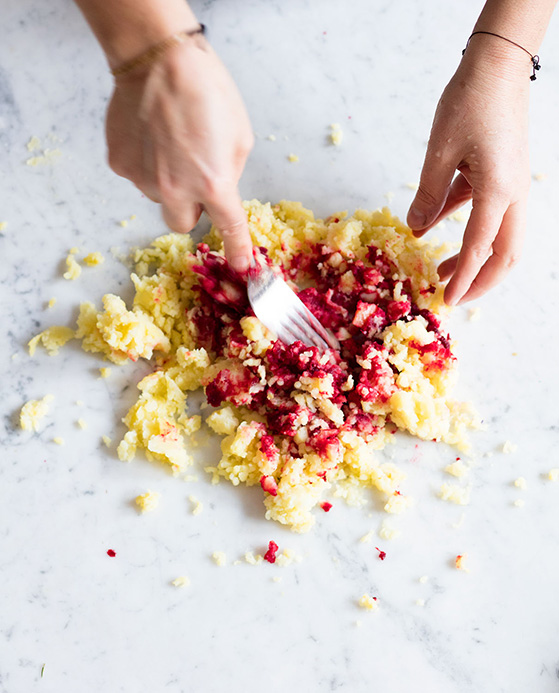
x,y
296,421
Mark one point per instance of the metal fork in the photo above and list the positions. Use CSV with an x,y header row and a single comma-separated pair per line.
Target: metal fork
x,y
279,308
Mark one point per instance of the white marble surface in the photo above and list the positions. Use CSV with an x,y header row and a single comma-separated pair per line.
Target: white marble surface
x,y
116,624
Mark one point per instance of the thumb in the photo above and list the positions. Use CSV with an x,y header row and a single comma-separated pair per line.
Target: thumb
x,y
230,219
434,185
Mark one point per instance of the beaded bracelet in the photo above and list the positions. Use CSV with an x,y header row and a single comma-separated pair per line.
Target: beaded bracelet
x,y
153,53
534,58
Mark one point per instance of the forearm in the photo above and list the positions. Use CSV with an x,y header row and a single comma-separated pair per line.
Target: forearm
x,y
126,28
522,21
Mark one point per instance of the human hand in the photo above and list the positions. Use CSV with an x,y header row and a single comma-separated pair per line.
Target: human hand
x,y
480,129
179,131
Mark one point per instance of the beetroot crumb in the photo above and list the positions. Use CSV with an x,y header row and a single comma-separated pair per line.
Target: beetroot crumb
x,y
381,554
269,484
325,505
270,554
111,553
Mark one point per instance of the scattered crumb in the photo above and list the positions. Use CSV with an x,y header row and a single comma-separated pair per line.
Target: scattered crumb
x,y
33,144
252,558
520,482
123,223
3,225
181,581
423,579
358,624
474,314
197,505
420,602
455,494
389,196
107,440
220,558
33,412
53,338
457,469
336,134
461,563
15,357
287,558
368,602
277,578
397,503
58,440
105,372
553,474
51,303
49,156
367,537
412,186
79,403
190,477
519,503
293,158
272,138
74,270
93,259
509,447
388,532
457,525
539,177
148,501
81,423
458,216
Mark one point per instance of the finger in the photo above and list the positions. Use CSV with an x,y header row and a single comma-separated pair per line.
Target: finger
x,y
459,193
481,230
181,217
436,178
506,253
229,217
447,267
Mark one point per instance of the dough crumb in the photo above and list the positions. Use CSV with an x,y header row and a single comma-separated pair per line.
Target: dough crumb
x,y
519,503
388,532
181,581
33,412
369,603
423,579
455,494
293,158
520,482
272,138
51,303
220,558
553,474
458,216
540,177
509,447
366,538
148,501
196,505
81,423
336,134
457,469
461,563
420,602
74,270
105,372
3,225
93,259
106,440
59,441
52,339
474,314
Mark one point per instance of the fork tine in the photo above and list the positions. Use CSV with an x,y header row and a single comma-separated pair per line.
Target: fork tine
x,y
294,330
304,326
314,324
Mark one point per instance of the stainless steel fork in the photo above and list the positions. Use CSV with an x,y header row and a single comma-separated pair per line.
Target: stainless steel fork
x,y
279,308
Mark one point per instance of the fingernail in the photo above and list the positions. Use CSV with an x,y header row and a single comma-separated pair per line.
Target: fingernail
x,y
416,218
240,263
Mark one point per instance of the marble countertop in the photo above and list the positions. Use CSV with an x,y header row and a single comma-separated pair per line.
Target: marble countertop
x,y
117,624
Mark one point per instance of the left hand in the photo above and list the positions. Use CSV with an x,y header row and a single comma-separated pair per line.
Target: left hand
x,y
480,129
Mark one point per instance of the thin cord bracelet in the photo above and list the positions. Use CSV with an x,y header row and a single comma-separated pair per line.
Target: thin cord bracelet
x,y
534,58
153,53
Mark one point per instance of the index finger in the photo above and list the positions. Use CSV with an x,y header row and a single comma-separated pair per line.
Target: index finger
x,y
230,219
481,230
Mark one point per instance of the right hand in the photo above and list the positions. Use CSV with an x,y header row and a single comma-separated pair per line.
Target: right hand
x,y
179,131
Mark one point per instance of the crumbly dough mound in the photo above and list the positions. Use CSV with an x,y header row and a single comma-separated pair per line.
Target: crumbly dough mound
x,y
297,421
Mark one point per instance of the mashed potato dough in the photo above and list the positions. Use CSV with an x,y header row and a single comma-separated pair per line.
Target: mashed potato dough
x,y
299,422
33,412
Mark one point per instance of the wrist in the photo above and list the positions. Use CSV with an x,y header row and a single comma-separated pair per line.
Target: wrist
x,y
497,58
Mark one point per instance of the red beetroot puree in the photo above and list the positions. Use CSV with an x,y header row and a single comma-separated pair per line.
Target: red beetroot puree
x,y
355,309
